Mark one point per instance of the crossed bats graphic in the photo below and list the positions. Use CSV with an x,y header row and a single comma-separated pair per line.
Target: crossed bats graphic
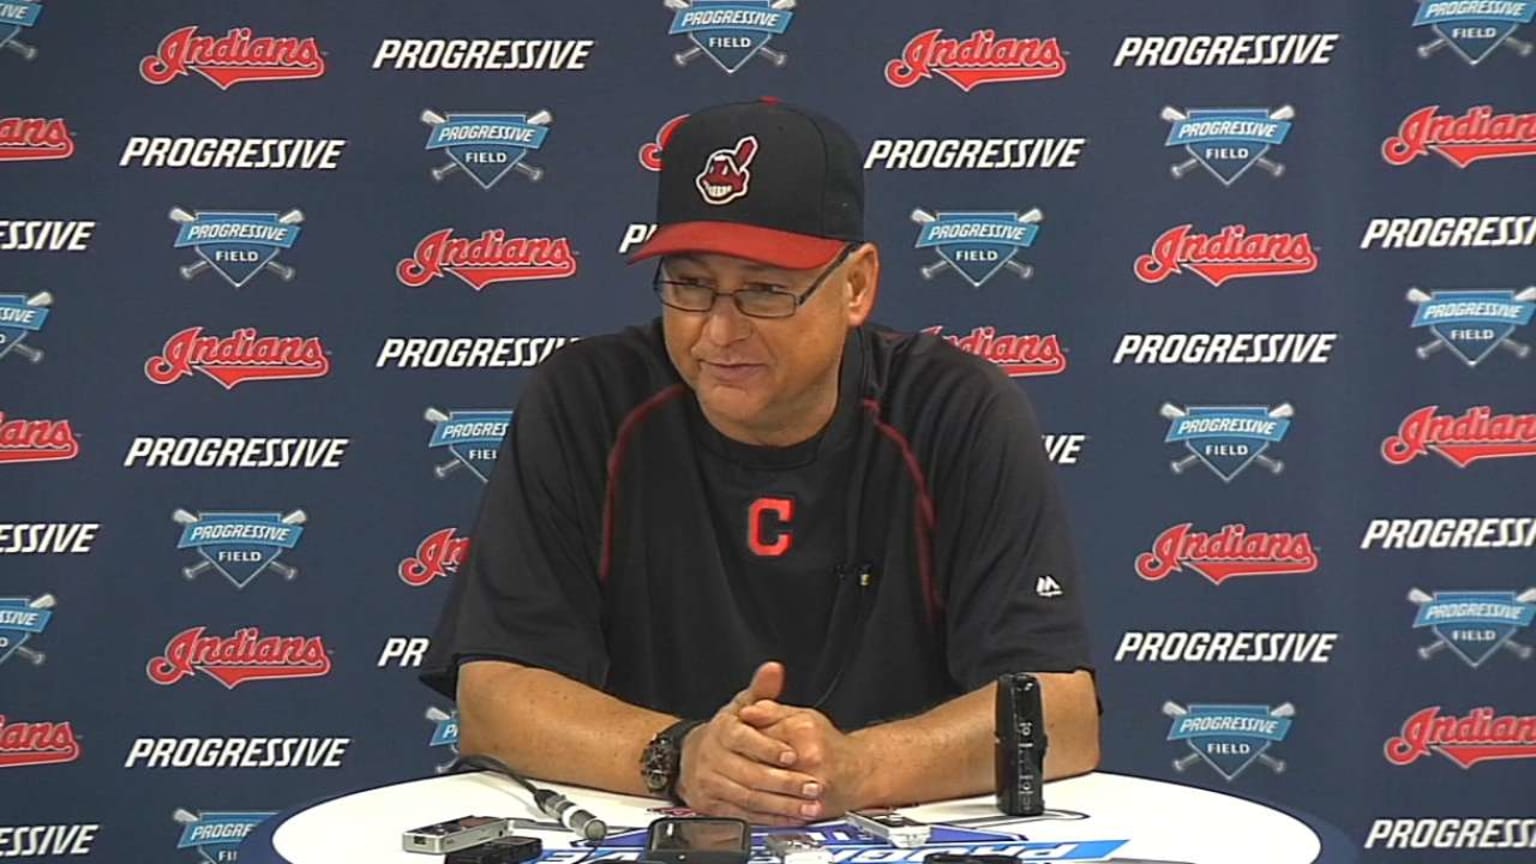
x,y
1418,297
289,573
32,655
1519,649
26,51
1519,46
1174,709
189,271
928,271
1174,115
534,174
33,355
683,58
1170,411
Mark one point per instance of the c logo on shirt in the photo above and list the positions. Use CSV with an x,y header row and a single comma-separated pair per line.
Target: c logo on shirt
x,y
765,539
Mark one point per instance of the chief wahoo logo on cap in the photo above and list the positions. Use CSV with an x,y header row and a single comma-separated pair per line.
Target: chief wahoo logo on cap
x,y
725,175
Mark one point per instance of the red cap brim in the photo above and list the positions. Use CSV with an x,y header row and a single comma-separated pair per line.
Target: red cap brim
x,y
765,245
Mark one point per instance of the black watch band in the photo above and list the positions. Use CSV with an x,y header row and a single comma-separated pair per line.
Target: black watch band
x,y
662,762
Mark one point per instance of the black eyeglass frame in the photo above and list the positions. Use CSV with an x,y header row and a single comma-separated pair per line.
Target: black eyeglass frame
x,y
657,282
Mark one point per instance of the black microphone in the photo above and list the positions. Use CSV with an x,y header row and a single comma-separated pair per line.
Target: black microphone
x,y
550,803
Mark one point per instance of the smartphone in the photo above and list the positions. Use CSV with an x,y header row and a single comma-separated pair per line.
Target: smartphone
x,y
441,838
698,840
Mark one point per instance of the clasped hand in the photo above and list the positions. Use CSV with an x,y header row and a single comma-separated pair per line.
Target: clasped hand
x,y
769,763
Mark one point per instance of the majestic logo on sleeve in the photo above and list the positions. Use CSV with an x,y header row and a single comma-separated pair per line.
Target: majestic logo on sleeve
x,y
216,834
239,357
472,438
1229,738
1227,141
1472,323
233,660
1231,253
1019,356
1474,29
32,139
1477,434
1481,736
236,244
1474,624
488,259
234,58
981,58
240,545
1227,438
36,440
487,146
1233,551
1475,135
727,173
650,151
36,743
20,316
439,554
16,15
22,618
730,32
976,244
445,733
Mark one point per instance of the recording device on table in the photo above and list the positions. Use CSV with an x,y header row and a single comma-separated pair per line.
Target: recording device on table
x,y
796,847
890,826
1021,743
698,840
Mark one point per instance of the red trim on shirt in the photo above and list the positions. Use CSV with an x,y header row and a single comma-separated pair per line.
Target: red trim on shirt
x,y
632,420
922,517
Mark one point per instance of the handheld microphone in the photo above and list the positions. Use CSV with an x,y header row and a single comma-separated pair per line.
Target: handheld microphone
x,y
550,803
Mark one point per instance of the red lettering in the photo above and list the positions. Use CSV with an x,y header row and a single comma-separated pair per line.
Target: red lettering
x,y
758,533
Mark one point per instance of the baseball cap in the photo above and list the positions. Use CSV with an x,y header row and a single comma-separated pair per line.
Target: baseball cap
x,y
762,180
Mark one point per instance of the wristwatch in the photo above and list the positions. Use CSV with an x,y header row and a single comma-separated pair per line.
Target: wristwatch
x,y
662,761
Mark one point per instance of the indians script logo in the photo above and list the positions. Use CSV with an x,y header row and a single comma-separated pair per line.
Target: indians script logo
x,y
216,834
730,32
976,243
987,835
981,58
30,139
1474,624
1474,30
1232,551
727,173
650,151
1472,323
36,440
21,316
234,58
240,545
1475,135
236,244
445,733
1231,253
485,260
36,743
239,357
439,555
1227,141
21,618
1229,738
1019,356
234,660
472,438
1477,434
1227,438
487,146
1481,736
14,16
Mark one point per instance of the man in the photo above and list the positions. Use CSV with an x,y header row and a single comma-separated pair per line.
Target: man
x,y
851,530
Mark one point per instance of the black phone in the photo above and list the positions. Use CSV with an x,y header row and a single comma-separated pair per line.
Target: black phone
x,y
698,840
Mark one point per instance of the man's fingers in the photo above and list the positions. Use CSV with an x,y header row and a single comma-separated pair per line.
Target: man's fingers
x,y
767,682
764,712
778,781
761,803
740,738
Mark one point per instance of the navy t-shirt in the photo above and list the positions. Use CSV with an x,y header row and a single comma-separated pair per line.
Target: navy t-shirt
x,y
912,551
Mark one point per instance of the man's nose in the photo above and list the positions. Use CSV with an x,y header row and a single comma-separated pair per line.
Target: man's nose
x,y
724,323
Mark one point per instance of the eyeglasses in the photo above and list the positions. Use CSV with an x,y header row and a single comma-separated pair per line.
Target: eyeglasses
x,y
757,300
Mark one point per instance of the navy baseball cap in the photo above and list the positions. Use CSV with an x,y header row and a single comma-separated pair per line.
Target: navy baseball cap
x,y
762,180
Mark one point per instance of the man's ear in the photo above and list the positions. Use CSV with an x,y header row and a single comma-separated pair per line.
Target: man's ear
x,y
862,282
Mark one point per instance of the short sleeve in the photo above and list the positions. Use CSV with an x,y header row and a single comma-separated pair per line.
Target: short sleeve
x,y
529,592
1006,565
